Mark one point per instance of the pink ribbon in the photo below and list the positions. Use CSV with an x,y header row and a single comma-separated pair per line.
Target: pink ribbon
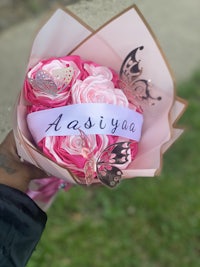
x,y
47,188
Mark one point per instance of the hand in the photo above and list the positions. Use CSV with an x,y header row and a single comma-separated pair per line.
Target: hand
x,y
13,172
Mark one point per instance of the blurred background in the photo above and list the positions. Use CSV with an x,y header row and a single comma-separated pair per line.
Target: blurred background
x,y
145,222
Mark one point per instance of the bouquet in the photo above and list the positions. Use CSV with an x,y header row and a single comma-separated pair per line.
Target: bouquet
x,y
96,106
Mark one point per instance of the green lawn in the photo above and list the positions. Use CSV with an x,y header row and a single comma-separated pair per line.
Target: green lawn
x,y
145,222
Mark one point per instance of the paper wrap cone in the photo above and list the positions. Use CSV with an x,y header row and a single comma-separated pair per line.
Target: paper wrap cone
x,y
64,34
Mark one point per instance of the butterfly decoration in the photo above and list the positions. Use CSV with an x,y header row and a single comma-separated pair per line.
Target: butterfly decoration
x,y
52,84
86,152
136,90
63,75
107,165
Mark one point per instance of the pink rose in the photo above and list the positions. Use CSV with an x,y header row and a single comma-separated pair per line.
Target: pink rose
x,y
48,83
97,89
94,69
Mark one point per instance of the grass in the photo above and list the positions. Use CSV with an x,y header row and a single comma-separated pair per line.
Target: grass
x,y
146,222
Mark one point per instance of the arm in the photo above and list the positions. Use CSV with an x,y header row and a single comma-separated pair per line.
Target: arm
x,y
21,220
13,172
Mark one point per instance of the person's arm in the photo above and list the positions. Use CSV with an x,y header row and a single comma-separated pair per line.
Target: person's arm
x,y
21,220
13,172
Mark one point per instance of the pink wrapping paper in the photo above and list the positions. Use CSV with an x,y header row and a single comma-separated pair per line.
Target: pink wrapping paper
x,y
65,34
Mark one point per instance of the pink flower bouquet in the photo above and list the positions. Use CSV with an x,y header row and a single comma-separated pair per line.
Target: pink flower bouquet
x,y
96,106
74,114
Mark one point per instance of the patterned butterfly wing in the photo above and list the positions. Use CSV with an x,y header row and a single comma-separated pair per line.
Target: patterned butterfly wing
x,y
142,90
107,171
63,77
89,171
87,153
130,67
44,82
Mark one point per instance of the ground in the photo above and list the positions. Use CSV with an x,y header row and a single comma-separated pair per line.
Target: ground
x,y
15,11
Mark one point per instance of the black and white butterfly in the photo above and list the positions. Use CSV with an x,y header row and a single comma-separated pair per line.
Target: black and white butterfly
x,y
108,165
136,90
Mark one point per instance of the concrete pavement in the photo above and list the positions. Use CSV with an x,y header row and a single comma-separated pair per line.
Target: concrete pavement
x,y
175,23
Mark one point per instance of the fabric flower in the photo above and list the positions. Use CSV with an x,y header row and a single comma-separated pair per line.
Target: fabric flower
x,y
94,69
98,88
48,83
